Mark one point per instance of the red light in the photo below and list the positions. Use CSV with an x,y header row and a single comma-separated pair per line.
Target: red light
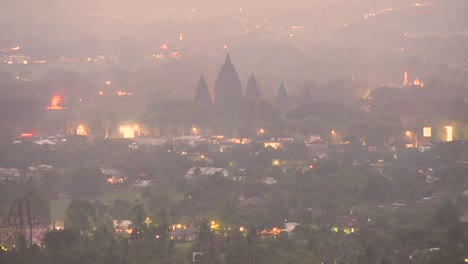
x,y
311,166
27,135
101,92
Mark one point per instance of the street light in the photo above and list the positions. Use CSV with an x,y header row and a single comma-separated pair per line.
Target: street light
x,y
333,132
410,135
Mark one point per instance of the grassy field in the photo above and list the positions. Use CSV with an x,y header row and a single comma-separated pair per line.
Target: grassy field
x,y
183,246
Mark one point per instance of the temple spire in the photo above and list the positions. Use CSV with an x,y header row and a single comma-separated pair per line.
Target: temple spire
x,y
202,94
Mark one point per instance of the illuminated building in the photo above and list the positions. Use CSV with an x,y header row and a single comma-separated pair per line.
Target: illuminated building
x,y
128,131
417,82
449,130
275,145
81,131
55,103
427,132
405,79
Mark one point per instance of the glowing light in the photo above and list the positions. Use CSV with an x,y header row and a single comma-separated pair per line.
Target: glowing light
x,y
81,131
275,145
17,48
2,247
110,180
25,62
27,135
274,231
194,131
311,166
129,131
181,36
417,82
225,46
408,133
275,162
164,46
427,131
449,130
241,229
55,103
101,92
108,82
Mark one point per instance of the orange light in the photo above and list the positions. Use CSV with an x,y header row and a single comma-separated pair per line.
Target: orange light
x,y
164,46
55,103
101,92
311,166
110,180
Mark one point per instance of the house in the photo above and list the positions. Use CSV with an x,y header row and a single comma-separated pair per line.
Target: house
x,y
316,146
44,142
184,234
195,172
289,227
272,144
142,183
151,141
122,226
188,140
269,180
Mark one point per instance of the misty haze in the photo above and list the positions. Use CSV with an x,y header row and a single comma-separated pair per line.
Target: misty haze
x,y
234,132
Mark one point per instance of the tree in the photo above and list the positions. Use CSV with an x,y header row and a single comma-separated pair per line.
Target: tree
x,y
138,221
59,239
202,94
236,250
228,88
80,216
86,182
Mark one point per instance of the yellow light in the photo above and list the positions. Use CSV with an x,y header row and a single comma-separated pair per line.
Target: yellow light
x,y
213,222
128,132
408,133
333,132
449,130
276,162
427,131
